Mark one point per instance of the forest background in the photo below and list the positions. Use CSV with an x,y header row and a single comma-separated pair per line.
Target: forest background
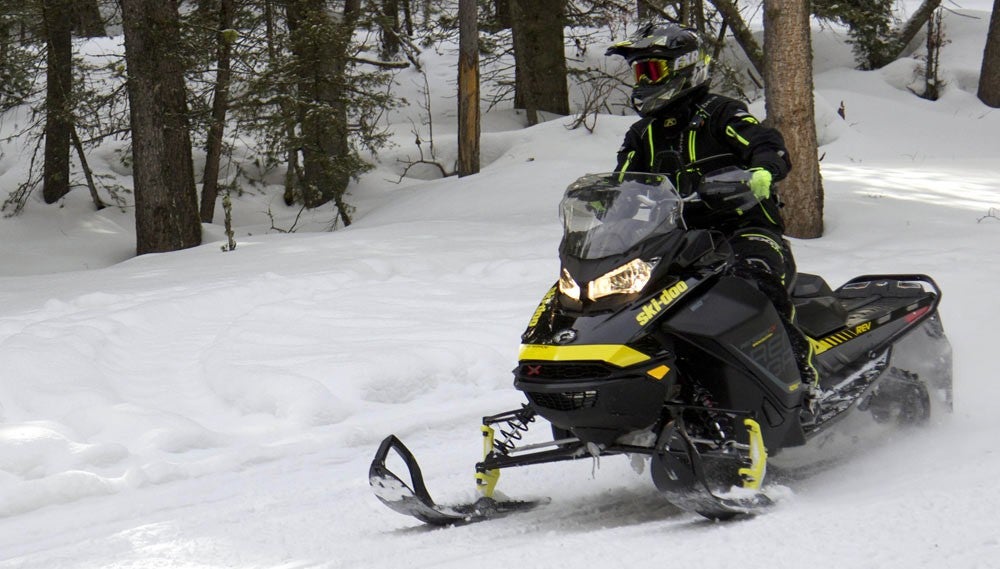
x,y
200,101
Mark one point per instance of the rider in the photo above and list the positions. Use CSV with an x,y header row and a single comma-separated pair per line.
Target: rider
x,y
682,122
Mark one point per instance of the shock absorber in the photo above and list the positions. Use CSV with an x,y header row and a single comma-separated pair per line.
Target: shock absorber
x,y
715,419
510,427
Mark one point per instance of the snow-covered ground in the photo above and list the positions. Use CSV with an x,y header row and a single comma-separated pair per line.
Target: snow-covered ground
x,y
210,409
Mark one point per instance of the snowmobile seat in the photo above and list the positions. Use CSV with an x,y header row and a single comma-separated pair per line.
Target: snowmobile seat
x,y
818,311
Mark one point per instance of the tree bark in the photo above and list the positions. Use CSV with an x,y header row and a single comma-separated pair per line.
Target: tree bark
x,y
57,18
501,14
909,30
220,107
388,21
88,174
166,201
468,88
789,92
989,76
87,21
539,57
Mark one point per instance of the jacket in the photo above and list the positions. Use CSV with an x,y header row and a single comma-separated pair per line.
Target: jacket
x,y
719,132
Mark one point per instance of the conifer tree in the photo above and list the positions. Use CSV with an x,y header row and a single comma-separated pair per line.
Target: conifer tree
x,y
57,17
166,203
989,76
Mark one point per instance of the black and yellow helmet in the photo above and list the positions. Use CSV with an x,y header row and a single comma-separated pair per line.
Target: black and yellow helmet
x,y
668,62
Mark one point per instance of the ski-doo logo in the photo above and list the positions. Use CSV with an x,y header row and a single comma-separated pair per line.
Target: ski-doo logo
x,y
655,306
541,308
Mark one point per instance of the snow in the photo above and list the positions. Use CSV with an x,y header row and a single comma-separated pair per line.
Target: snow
x,y
210,409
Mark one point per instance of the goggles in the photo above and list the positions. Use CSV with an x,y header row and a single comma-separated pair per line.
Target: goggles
x,y
651,71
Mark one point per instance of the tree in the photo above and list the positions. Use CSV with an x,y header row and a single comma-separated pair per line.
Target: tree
x,y
58,22
220,106
539,57
319,44
870,28
311,97
87,22
16,63
908,31
989,76
166,202
744,37
789,92
876,42
388,22
27,29
468,89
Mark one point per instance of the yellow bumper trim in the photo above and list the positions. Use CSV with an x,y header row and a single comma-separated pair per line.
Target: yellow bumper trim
x,y
615,354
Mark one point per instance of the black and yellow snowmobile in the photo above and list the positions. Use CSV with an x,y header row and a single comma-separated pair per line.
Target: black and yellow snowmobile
x,y
648,345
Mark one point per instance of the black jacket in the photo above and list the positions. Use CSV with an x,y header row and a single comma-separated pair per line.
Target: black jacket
x,y
704,125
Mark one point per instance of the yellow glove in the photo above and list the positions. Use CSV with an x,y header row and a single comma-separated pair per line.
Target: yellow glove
x,y
760,183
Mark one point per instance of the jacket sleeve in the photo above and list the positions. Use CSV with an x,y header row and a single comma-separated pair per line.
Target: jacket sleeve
x,y
630,155
756,145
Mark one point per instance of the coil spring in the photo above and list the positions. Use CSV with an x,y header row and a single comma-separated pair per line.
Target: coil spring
x,y
719,421
511,430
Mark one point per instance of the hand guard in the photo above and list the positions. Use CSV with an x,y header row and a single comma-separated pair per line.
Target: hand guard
x,y
729,190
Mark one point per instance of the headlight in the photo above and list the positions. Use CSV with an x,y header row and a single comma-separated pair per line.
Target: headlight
x,y
568,286
626,279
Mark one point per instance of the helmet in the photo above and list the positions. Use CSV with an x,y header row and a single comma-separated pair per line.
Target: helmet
x,y
668,62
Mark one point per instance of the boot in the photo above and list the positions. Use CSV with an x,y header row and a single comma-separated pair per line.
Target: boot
x,y
803,350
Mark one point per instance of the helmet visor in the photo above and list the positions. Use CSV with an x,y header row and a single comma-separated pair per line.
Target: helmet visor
x,y
651,71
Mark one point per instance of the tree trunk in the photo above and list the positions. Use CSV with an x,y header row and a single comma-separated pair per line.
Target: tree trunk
x,y
88,174
501,14
407,18
699,16
935,41
166,201
642,9
989,76
468,88
87,21
319,45
220,106
744,37
388,21
909,30
684,13
57,17
789,92
539,57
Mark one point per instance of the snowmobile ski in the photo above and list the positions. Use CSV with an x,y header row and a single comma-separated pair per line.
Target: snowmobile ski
x,y
416,501
682,476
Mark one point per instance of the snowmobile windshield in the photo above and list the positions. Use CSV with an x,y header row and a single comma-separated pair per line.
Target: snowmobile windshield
x,y
608,214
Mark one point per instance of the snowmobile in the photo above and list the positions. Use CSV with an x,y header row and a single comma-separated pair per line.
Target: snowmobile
x,y
648,345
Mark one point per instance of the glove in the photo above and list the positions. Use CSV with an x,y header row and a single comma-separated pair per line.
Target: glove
x,y
760,183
